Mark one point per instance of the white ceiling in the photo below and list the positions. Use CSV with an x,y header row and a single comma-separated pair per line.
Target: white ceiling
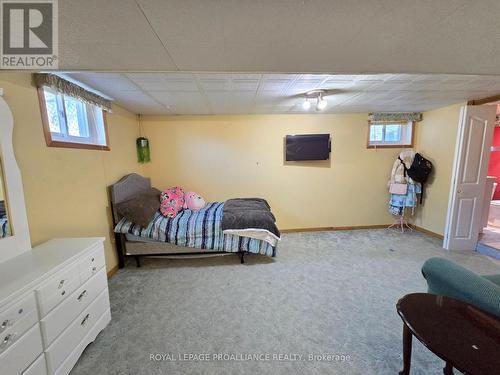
x,y
330,36
248,93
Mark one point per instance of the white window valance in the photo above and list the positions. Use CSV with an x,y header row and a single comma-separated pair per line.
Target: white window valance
x,y
395,116
69,88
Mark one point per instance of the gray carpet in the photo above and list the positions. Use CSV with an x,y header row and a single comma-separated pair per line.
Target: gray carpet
x,y
325,293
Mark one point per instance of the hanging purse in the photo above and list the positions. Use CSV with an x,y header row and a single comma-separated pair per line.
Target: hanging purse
x,y
400,189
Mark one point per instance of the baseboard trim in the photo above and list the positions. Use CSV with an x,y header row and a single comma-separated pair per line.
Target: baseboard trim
x,y
112,271
428,232
357,227
325,229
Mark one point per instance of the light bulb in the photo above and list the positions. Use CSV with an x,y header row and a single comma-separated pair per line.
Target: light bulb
x,y
306,105
322,103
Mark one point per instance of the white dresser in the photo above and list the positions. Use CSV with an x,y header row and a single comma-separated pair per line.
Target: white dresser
x,y
53,302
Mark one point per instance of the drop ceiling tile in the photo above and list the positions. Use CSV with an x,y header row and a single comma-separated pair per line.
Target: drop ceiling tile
x,y
148,81
129,94
275,84
121,84
93,76
338,84
182,102
214,84
366,83
206,93
139,76
108,35
293,35
241,84
274,109
341,98
180,84
304,86
256,76
270,97
229,100
312,77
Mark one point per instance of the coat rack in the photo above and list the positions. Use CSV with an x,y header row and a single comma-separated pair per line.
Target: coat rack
x,y
401,223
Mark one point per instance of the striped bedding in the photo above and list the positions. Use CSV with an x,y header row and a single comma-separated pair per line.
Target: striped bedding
x,y
196,229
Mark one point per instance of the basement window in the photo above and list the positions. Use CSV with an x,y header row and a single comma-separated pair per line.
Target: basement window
x,y
387,135
71,122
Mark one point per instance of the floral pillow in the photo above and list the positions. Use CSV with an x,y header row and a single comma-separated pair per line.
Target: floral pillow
x,y
171,201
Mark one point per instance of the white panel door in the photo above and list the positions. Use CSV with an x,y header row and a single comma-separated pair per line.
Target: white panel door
x,y
475,137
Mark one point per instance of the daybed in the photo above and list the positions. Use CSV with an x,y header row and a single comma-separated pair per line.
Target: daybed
x,y
217,228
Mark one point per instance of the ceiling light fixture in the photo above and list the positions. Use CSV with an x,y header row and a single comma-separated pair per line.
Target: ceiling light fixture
x,y
322,103
306,105
319,96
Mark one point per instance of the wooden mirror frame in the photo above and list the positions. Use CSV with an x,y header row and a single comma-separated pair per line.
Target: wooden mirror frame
x,y
19,241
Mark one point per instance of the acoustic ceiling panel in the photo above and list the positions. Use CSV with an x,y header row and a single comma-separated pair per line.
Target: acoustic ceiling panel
x,y
245,93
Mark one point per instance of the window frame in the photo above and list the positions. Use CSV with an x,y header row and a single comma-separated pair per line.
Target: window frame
x,y
391,145
67,142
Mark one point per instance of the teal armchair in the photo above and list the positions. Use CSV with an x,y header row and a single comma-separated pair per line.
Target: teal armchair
x,y
446,278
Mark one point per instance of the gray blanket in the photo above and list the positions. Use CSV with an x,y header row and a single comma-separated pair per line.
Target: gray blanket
x,y
244,213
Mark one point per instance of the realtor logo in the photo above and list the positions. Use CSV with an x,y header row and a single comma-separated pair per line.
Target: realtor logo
x,y
29,34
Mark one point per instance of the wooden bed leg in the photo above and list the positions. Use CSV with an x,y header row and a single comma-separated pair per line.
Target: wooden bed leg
x,y
119,250
242,255
137,261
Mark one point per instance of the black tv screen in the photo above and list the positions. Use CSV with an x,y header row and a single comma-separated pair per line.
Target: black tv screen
x,y
307,147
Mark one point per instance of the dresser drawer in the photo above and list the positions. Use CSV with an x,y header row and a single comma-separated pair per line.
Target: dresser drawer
x,y
22,353
91,263
71,337
39,367
57,289
62,315
17,319
71,360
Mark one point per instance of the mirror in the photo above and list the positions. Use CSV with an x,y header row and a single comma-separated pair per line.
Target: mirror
x,y
5,230
15,221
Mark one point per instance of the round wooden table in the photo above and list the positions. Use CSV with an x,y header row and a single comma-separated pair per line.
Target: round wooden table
x,y
465,337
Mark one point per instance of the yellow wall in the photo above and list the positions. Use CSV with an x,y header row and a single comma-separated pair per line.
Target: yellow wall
x,y
65,189
224,157
436,140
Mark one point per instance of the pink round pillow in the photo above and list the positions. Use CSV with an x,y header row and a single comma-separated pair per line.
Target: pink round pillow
x,y
193,201
171,201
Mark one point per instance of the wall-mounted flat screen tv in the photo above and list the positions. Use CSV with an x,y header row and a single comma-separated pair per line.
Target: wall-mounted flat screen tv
x,y
307,147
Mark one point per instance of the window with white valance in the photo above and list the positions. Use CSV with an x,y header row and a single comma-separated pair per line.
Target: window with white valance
x,y
390,134
392,129
72,116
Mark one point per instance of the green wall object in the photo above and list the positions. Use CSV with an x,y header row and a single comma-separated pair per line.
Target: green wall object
x,y
143,153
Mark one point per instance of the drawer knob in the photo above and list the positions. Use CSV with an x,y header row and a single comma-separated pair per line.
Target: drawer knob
x,y
82,294
93,259
4,325
7,339
20,311
85,320
93,269
63,293
61,283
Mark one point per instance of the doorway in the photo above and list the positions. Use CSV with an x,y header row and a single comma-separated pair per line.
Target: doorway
x,y
466,208
489,233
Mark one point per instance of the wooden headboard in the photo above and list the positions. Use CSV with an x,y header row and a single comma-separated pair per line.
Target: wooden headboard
x,y
125,188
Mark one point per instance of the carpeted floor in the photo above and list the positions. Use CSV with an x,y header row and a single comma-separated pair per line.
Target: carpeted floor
x,y
325,293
